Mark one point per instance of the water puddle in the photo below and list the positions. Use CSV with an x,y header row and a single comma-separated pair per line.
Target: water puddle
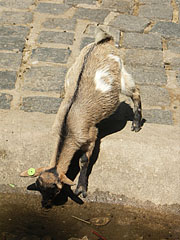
x,y
22,218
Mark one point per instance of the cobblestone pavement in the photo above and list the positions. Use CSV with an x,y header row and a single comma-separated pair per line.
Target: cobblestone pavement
x,y
39,40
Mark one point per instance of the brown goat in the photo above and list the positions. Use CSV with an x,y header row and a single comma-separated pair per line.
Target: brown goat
x,y
92,88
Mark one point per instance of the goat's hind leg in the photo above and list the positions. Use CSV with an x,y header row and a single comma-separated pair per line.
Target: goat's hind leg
x,y
137,121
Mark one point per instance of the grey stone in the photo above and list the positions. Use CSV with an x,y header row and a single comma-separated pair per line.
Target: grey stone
x,y
7,79
174,45
85,41
137,40
154,96
156,11
10,43
95,15
56,37
158,116
75,2
128,23
45,79
139,57
16,17
60,23
148,76
52,8
5,100
178,78
167,29
155,1
51,55
119,6
43,104
14,31
16,3
10,60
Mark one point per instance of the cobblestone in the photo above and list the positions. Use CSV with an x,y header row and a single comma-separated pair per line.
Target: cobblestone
x,y
7,79
155,1
16,17
95,15
51,55
56,37
41,104
61,23
7,43
137,40
10,60
75,2
154,96
155,12
167,29
119,6
45,79
85,41
52,8
13,31
16,3
149,76
5,100
140,57
174,46
127,23
158,116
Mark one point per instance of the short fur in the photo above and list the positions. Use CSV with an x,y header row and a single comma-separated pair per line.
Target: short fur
x,y
92,88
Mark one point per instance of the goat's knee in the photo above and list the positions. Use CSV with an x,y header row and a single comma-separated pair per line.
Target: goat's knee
x,y
136,125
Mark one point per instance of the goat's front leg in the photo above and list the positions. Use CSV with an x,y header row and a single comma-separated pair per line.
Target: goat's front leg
x,y
84,162
137,121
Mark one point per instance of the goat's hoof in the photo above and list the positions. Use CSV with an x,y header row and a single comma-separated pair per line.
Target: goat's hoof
x,y
81,190
136,126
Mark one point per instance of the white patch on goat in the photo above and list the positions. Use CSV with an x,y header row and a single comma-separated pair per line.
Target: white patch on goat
x,y
115,58
103,79
127,82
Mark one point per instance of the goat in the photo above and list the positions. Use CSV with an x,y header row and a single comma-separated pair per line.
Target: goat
x,y
92,88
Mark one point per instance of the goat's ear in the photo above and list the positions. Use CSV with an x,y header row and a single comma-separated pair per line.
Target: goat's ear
x,y
66,180
31,172
32,187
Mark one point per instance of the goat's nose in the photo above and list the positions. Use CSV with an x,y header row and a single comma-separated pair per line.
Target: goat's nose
x,y
46,204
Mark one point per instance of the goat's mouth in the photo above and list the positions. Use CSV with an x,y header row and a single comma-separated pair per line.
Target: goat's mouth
x,y
47,204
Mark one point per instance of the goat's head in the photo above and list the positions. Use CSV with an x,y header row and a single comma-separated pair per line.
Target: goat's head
x,y
49,183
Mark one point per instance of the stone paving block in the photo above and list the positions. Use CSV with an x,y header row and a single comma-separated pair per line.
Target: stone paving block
x,y
10,60
128,23
16,3
124,6
155,1
85,41
137,40
56,37
16,17
154,96
45,79
174,45
14,31
52,8
167,29
60,23
51,55
143,57
156,11
75,2
148,76
10,43
5,100
42,104
7,79
178,78
172,58
158,116
95,15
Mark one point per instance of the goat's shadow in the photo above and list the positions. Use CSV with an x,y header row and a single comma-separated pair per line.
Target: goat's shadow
x,y
116,122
